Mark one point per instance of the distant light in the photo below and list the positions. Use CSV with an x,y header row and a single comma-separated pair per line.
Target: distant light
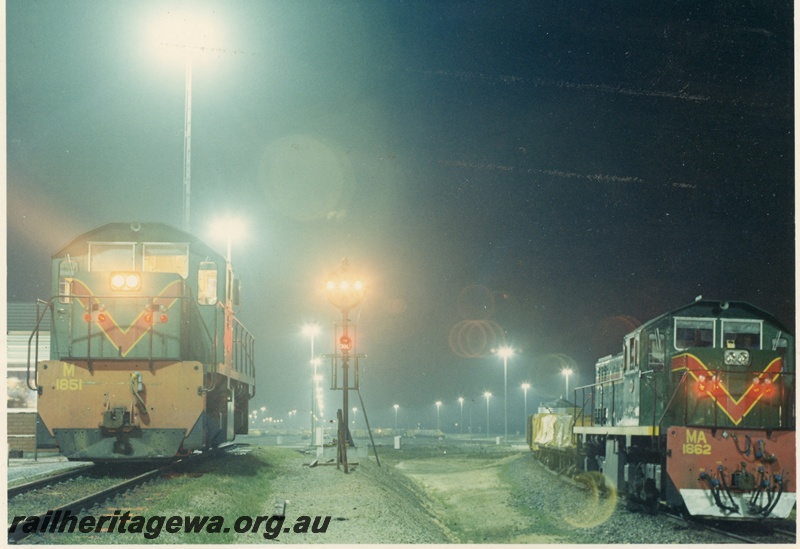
x,y
311,329
230,227
176,33
505,351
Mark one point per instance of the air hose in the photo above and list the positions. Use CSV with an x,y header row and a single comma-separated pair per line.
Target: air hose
x,y
136,386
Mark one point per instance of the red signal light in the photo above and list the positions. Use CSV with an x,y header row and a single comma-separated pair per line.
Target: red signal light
x,y
87,317
163,318
345,343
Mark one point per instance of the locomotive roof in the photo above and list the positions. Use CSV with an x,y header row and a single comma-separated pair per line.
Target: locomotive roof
x,y
134,232
718,309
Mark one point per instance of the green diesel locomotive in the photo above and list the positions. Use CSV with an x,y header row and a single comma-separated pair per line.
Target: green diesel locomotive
x,y
147,359
697,413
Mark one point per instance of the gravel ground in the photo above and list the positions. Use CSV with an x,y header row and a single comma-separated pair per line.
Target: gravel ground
x,y
594,521
371,504
381,505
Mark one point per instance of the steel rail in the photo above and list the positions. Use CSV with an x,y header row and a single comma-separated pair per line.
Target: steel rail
x,y
45,481
88,501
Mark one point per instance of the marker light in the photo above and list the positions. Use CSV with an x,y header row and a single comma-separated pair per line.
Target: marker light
x,y
739,357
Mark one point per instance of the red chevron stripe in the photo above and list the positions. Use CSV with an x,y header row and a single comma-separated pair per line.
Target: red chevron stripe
x,y
735,408
125,339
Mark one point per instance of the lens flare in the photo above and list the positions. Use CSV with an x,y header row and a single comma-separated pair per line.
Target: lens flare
x,y
597,505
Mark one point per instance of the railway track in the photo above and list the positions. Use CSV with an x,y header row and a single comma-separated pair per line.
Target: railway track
x,y
46,520
755,532
49,480
16,532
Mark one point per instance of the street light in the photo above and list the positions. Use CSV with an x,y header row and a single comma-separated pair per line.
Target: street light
x,y
488,395
229,228
190,32
566,373
438,405
525,387
505,352
461,403
396,407
312,330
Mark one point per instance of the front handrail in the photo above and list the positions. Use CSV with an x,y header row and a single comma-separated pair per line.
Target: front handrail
x,y
35,333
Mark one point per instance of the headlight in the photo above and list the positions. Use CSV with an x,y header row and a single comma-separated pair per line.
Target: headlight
x,y
125,281
737,358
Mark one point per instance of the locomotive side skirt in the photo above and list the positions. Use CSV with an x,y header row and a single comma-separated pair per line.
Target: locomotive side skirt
x,y
732,474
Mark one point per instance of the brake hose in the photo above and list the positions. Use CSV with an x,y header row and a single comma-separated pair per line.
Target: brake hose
x,y
139,401
727,490
779,482
746,450
713,484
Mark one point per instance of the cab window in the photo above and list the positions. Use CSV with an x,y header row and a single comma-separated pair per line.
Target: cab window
x,y
166,258
67,269
741,334
656,349
694,332
207,283
111,256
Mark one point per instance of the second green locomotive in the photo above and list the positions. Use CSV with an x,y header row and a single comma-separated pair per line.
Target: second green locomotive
x,y
697,412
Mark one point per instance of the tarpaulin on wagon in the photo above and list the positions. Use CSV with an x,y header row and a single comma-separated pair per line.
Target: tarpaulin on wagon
x,y
552,430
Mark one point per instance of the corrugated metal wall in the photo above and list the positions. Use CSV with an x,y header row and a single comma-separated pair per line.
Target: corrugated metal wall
x,y
21,418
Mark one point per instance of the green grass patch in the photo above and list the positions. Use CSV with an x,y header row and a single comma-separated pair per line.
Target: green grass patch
x,y
226,487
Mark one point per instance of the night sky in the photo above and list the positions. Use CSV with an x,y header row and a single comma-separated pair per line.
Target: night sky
x,y
548,175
